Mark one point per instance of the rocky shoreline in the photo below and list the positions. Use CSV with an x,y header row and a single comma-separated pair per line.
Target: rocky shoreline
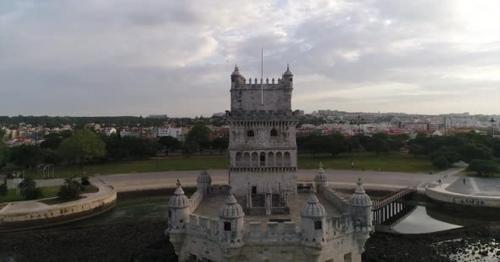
x,y
143,240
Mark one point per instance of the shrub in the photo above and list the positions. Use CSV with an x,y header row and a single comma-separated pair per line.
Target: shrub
x,y
70,190
440,162
29,190
483,167
85,181
3,189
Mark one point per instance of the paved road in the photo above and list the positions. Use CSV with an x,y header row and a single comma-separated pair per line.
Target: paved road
x,y
137,181
156,180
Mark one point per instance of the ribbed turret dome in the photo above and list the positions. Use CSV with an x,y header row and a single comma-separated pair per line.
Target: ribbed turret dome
x,y
178,200
313,208
231,208
320,177
288,72
360,198
236,71
204,178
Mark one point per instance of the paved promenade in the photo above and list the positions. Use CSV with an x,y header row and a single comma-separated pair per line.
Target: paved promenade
x,y
374,179
156,180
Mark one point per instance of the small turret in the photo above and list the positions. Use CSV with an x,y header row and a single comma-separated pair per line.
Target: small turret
x,y
313,222
320,179
361,207
288,77
203,183
237,80
178,210
231,222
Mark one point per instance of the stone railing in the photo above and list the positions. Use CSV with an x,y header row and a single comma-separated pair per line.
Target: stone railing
x,y
338,226
195,200
335,199
274,232
203,227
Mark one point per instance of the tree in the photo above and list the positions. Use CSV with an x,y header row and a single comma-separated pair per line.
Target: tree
x,y
197,138
220,143
169,144
472,151
336,144
27,156
483,167
70,190
128,147
28,189
379,143
440,162
3,154
51,141
82,147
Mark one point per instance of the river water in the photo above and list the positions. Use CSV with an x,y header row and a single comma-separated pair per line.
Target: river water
x,y
428,219
423,219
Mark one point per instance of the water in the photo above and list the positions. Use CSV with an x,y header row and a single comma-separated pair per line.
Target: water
x,y
419,222
428,219
132,210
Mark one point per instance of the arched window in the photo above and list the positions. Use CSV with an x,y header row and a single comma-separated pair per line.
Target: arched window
x,y
255,160
250,133
246,159
270,159
274,132
286,159
238,159
262,159
279,159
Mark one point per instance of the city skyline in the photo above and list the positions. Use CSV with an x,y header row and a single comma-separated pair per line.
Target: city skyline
x,y
104,58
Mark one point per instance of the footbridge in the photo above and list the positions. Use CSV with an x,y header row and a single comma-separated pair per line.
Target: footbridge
x,y
393,207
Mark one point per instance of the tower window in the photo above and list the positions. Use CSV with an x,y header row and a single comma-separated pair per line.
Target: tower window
x,y
274,132
227,226
250,133
317,225
262,159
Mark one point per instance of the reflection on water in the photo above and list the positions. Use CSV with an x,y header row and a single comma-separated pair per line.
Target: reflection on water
x,y
420,222
132,210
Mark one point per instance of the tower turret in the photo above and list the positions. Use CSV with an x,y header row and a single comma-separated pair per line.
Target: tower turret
x,y
288,77
178,210
361,207
231,222
320,179
237,80
313,222
203,183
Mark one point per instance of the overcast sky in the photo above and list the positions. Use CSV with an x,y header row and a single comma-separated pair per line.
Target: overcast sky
x,y
123,57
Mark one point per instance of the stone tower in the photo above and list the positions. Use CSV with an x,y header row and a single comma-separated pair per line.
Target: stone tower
x,y
262,146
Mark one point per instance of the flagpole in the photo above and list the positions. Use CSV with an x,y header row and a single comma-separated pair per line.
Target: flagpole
x,y
262,77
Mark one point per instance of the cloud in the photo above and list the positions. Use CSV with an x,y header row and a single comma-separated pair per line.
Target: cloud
x,y
141,57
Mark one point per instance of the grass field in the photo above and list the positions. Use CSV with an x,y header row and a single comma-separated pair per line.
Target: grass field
x,y
13,196
367,161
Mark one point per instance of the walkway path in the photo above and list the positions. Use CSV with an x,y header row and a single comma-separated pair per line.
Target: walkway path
x,y
158,180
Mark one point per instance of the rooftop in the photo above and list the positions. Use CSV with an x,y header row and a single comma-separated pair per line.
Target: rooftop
x,y
210,206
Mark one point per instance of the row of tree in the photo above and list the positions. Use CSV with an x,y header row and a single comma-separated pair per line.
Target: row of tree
x,y
337,143
85,146
479,151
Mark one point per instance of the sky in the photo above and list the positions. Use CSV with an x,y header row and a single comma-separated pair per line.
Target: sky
x,y
141,57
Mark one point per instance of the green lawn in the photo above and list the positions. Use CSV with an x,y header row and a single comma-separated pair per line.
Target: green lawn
x,y
13,196
367,161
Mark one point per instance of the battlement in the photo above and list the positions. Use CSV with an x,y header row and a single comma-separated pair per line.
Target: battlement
x,y
335,199
261,83
259,232
204,227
